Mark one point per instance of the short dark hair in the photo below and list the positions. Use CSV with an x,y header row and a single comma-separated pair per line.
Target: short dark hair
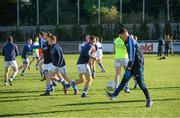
x,y
122,30
41,33
10,39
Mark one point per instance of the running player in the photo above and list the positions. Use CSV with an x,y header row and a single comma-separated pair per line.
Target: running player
x,y
47,60
99,54
83,66
41,56
135,68
86,40
10,51
57,66
25,60
35,53
92,62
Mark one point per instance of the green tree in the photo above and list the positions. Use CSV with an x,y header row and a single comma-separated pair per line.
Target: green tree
x,y
76,33
167,29
63,34
96,30
144,31
108,15
135,30
157,32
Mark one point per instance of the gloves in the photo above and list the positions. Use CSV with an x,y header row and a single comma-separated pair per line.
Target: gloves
x,y
127,74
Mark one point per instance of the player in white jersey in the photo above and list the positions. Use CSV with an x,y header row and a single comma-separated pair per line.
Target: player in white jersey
x,y
99,54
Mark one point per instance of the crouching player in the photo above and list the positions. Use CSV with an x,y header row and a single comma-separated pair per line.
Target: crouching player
x,y
135,67
83,66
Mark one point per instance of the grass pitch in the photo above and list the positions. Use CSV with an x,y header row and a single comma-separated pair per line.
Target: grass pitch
x,y
162,77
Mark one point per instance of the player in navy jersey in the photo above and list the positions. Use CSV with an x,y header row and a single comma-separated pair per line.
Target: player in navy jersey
x,y
10,51
134,68
83,67
26,48
46,57
58,66
85,41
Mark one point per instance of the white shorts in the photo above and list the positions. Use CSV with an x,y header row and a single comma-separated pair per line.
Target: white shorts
x,y
10,63
121,62
35,55
47,67
84,69
55,69
99,57
25,60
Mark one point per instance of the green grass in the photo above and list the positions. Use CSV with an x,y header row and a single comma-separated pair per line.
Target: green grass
x,y
161,76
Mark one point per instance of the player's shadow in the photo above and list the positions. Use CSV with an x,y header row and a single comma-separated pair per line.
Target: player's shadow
x,y
18,99
169,87
84,109
57,111
25,96
19,91
115,102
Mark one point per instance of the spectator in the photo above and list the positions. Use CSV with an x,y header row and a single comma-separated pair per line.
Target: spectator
x,y
167,45
160,46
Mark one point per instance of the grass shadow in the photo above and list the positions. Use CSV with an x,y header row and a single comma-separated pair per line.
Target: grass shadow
x,y
18,99
18,91
170,87
60,111
115,102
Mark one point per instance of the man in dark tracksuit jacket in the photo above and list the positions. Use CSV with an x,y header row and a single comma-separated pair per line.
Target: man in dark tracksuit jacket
x,y
135,67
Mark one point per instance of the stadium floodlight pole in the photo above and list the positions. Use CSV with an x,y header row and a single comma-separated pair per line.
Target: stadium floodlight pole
x,y
18,15
78,10
168,10
99,14
120,11
143,10
37,12
57,8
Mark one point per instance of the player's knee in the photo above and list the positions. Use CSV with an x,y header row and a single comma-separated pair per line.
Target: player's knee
x,y
16,71
81,80
88,81
117,76
142,85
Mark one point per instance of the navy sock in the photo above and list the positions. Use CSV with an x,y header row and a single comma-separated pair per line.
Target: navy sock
x,y
101,66
62,82
54,83
48,88
73,84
